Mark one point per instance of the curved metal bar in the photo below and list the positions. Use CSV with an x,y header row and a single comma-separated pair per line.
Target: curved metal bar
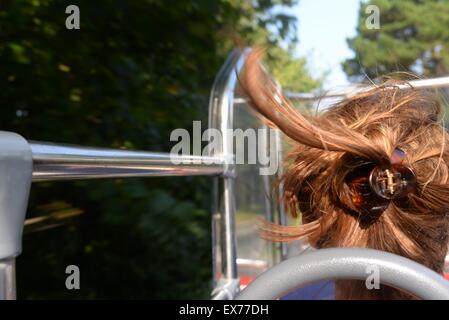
x,y
221,107
65,162
347,263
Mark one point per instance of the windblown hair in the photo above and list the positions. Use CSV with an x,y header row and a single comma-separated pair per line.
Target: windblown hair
x,y
330,145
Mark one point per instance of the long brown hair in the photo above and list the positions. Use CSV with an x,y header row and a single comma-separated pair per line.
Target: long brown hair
x,y
367,127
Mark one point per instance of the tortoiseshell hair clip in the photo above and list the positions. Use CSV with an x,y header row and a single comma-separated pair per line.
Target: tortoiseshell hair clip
x,y
373,188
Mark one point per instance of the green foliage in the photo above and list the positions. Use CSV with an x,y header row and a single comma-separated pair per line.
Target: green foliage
x,y
413,36
257,24
134,71
290,72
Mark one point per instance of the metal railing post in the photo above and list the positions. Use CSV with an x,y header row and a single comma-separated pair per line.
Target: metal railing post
x,y
226,281
8,279
221,117
16,168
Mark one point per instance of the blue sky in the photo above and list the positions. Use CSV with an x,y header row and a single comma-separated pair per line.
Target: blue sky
x,y
323,28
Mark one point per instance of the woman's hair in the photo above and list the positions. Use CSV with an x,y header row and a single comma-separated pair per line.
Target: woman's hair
x,y
332,146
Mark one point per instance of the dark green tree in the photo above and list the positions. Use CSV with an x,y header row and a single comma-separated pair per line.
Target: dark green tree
x,y
133,72
413,36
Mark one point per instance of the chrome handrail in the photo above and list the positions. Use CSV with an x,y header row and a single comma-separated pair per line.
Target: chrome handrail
x,y
66,162
221,108
441,82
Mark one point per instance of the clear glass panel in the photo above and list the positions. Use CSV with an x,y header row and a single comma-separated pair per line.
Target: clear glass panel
x,y
254,199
